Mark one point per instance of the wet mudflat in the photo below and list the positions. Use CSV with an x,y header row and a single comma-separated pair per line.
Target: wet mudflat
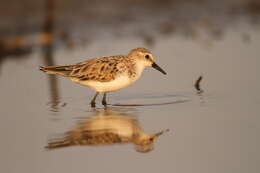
x,y
215,130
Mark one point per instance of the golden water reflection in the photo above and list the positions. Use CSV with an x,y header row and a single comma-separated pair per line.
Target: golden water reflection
x,y
107,127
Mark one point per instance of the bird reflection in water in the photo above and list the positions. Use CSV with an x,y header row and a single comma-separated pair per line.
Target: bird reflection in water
x,y
108,127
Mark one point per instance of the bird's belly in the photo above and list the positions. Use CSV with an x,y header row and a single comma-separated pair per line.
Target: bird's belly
x,y
116,84
122,127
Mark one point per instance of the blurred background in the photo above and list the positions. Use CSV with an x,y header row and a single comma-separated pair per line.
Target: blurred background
x,y
211,130
27,24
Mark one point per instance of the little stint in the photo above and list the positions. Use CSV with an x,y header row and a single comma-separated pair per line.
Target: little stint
x,y
107,73
108,129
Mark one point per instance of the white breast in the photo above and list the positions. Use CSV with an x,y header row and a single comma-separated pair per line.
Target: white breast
x,y
119,125
120,82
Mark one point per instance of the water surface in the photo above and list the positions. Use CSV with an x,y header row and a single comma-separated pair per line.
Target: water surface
x,y
214,131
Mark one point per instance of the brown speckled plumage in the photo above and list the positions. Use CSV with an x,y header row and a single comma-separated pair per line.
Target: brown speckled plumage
x,y
107,129
107,74
102,69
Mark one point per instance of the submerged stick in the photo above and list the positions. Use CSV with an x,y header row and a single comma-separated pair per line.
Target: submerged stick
x,y
197,85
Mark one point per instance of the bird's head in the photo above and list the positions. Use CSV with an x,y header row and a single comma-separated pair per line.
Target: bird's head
x,y
145,57
146,142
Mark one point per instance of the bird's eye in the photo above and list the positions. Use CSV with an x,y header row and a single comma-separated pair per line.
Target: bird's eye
x,y
147,56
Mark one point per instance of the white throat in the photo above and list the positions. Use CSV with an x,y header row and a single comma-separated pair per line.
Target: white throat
x,y
139,70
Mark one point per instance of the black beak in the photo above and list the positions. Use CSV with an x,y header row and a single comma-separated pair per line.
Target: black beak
x,y
161,132
154,65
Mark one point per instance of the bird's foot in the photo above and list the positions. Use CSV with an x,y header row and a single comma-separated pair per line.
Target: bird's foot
x,y
104,103
93,104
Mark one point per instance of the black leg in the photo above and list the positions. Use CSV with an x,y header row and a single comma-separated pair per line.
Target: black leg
x,y
93,103
104,102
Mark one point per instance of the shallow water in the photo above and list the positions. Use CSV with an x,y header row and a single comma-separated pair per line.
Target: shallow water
x,y
214,131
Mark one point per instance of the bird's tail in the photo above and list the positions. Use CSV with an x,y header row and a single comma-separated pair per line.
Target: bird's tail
x,y
61,70
60,144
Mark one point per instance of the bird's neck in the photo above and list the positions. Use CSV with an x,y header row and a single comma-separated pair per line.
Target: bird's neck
x,y
136,71
140,138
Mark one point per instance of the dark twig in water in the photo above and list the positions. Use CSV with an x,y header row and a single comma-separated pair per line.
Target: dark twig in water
x,y
197,85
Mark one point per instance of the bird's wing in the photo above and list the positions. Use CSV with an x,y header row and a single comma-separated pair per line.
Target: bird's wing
x,y
98,69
